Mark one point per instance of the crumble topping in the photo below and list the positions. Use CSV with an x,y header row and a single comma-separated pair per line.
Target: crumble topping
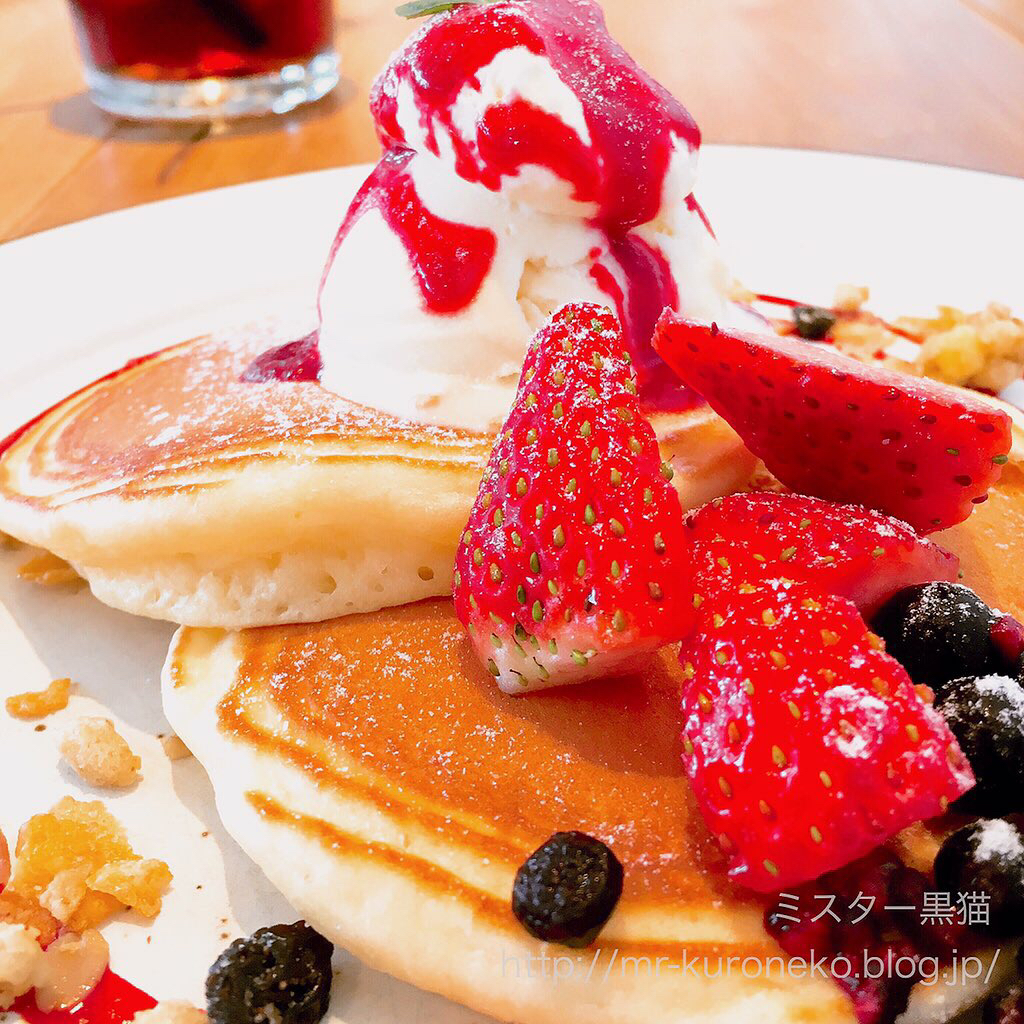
x,y
850,298
73,869
138,884
83,837
171,1013
174,748
983,350
18,909
40,703
64,895
100,755
48,569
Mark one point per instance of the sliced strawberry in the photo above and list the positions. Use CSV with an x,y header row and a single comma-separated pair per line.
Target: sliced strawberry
x,y
847,550
575,556
807,745
829,426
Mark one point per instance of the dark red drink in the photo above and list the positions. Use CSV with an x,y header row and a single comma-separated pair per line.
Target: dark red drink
x,y
184,40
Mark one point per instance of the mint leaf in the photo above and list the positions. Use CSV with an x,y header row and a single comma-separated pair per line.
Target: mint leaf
x,y
424,8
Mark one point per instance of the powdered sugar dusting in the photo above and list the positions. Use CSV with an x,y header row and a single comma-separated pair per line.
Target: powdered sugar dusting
x,y
999,841
1011,698
187,408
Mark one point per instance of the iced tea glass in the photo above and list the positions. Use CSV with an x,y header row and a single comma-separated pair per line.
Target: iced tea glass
x,y
205,59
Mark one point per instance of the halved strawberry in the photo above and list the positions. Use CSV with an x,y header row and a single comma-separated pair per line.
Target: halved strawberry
x,y
807,745
829,426
575,557
848,550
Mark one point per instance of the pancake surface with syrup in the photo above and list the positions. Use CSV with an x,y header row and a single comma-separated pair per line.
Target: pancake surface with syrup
x,y
374,771
181,492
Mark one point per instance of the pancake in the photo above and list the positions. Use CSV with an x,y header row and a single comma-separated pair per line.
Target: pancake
x,y
181,492
374,771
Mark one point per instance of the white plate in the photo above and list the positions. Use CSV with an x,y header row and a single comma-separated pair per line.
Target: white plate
x,y
77,301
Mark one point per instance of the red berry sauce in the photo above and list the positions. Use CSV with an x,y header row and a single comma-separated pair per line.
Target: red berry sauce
x,y
112,1001
650,288
295,360
633,122
449,260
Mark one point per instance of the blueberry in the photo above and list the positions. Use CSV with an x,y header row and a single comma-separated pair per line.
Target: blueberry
x,y
1005,1007
987,857
567,888
813,322
939,632
987,717
278,975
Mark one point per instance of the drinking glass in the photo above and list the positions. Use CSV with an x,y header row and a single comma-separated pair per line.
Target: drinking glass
x,y
192,59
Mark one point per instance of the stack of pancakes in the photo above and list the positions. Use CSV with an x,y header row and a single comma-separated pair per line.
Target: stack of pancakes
x,y
367,762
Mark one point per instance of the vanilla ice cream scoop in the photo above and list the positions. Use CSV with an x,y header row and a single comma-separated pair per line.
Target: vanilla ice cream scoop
x,y
528,163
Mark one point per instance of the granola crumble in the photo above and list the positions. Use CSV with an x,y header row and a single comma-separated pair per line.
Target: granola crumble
x,y
174,748
138,884
49,570
64,895
850,298
40,703
100,755
983,350
17,908
83,835
73,869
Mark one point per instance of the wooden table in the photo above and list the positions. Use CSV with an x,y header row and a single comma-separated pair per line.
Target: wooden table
x,y
939,80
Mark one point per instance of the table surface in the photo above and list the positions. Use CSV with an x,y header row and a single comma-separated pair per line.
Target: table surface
x,y
936,80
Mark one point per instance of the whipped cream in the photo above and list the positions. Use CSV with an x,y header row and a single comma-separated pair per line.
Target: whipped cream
x,y
529,163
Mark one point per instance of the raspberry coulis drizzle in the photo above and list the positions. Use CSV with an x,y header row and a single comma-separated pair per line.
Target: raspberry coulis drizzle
x,y
781,300
449,260
650,290
633,122
112,1001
